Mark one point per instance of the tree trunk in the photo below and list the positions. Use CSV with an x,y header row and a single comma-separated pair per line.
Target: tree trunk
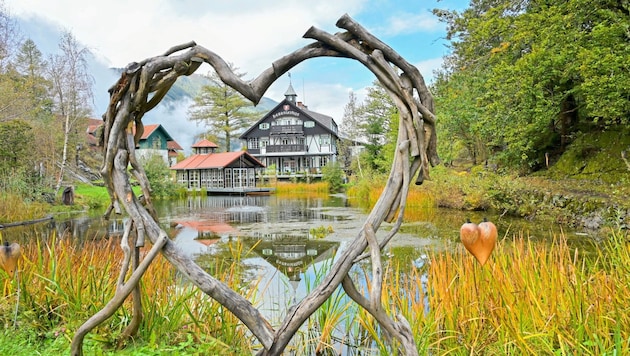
x,y
64,156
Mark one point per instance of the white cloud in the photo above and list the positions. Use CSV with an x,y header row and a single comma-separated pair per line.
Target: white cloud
x,y
406,23
428,67
251,34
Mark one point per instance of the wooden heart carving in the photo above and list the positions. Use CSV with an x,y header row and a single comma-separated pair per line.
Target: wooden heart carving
x,y
9,256
480,239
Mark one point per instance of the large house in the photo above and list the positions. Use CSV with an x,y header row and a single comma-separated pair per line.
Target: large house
x,y
295,140
225,172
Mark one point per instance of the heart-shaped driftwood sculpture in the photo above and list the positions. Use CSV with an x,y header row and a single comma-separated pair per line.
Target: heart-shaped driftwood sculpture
x,y
141,87
9,256
480,239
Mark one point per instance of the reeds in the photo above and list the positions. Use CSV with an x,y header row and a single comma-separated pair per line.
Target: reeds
x,y
307,190
63,284
530,298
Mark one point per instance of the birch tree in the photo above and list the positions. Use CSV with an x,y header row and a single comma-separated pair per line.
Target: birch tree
x,y
72,91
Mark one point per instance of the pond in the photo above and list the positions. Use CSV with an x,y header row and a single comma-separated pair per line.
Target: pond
x,y
291,241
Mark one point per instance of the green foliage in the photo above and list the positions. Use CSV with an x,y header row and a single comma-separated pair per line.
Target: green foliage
x,y
374,122
321,231
524,77
332,173
159,176
16,143
223,109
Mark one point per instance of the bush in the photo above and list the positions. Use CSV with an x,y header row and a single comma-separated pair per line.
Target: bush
x,y
333,175
159,176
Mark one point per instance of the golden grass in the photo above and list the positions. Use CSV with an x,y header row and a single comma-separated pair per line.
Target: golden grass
x,y
531,298
63,283
314,190
15,208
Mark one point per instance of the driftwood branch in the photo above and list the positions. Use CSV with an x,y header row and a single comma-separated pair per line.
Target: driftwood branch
x,y
141,87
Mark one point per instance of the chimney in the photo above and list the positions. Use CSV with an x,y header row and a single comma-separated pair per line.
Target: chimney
x,y
301,105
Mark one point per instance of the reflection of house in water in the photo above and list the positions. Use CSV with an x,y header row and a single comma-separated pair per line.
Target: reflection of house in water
x,y
292,254
208,230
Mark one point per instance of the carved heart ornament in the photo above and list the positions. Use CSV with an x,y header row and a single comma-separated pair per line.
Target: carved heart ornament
x,y
479,240
9,256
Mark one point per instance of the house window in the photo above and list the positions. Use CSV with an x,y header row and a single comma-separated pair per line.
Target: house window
x,y
264,143
309,124
263,126
324,140
252,143
157,143
286,141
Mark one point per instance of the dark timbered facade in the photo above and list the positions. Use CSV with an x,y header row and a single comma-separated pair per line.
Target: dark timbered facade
x,y
293,139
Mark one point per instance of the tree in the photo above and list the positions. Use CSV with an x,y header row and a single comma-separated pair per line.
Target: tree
x,y
32,67
333,175
72,91
351,134
159,176
541,71
15,145
9,37
377,113
222,109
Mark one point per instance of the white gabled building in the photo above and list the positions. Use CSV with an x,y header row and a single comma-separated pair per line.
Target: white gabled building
x,y
295,140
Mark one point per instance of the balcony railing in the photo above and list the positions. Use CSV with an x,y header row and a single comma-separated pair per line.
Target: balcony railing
x,y
287,129
286,148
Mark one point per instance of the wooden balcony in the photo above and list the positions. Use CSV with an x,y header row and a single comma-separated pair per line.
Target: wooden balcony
x,y
286,148
287,130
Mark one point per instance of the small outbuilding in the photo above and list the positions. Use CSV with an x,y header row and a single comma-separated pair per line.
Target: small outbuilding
x,y
225,172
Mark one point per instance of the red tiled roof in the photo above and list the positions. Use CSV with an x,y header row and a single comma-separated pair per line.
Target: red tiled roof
x,y
173,145
212,160
148,130
205,143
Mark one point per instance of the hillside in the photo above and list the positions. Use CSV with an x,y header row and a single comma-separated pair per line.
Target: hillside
x,y
586,187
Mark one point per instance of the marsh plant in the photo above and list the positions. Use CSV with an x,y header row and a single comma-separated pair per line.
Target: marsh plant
x,y
531,297
61,285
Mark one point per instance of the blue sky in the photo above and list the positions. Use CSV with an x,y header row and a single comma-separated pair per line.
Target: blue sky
x,y
249,33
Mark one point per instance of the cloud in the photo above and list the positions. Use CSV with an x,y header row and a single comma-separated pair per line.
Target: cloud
x,y
251,34
428,67
407,23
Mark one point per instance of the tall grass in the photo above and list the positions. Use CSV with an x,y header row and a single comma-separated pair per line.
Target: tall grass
x,y
420,202
16,208
531,298
308,190
61,285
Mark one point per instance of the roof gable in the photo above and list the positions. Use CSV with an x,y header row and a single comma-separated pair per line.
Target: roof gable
x,y
151,129
205,143
286,106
